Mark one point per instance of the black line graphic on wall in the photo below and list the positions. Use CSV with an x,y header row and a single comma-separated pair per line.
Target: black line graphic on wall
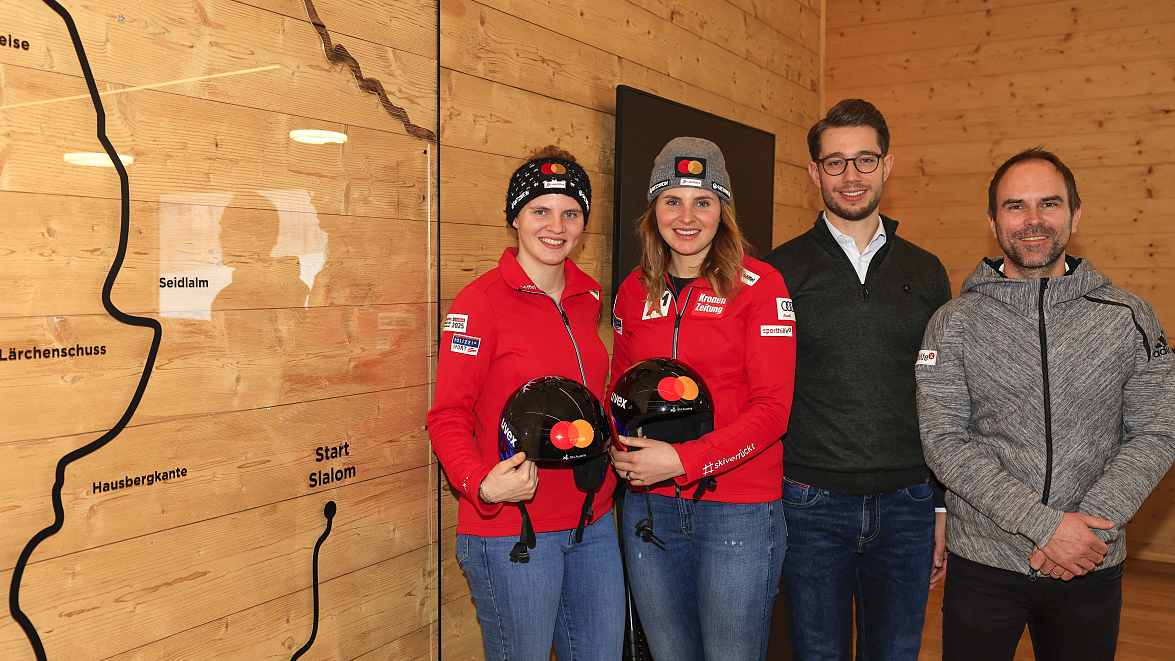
x,y
119,315
337,54
329,513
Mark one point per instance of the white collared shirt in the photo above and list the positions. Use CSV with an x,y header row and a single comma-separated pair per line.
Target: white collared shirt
x,y
860,260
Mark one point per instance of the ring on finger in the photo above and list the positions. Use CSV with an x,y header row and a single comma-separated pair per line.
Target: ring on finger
x,y
628,475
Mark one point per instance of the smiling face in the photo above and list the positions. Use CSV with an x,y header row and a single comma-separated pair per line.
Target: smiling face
x,y
851,196
687,219
1033,220
549,227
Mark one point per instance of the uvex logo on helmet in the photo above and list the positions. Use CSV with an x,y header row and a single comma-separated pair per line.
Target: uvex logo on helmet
x,y
578,434
673,388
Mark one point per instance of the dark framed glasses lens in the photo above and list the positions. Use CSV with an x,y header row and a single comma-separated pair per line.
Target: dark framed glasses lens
x,y
866,163
834,166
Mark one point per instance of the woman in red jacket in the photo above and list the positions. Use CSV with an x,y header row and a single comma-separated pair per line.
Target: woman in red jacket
x,y
704,587
535,315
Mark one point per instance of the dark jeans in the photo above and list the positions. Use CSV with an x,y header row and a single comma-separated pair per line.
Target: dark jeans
x,y
708,595
877,549
984,610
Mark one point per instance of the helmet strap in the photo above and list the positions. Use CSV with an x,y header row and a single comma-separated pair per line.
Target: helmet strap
x,y
708,484
526,539
584,514
644,527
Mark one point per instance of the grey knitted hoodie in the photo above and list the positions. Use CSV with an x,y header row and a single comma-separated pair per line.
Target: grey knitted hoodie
x,y
1039,397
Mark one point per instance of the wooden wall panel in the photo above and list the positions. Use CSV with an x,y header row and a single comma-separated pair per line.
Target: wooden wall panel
x,y
966,84
311,326
520,74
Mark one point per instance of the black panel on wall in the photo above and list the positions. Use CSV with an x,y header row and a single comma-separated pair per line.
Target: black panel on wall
x,y
644,123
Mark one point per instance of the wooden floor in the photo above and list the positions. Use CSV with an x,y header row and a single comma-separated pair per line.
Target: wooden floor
x,y
1148,616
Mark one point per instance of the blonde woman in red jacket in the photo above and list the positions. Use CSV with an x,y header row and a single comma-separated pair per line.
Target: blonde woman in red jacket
x,y
535,315
705,582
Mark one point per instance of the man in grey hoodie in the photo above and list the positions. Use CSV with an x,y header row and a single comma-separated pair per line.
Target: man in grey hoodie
x,y
1044,404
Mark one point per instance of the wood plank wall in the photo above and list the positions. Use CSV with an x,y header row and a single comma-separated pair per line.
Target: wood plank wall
x,y
967,83
319,336
520,74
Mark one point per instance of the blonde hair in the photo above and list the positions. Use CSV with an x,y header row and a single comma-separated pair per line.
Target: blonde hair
x,y
722,266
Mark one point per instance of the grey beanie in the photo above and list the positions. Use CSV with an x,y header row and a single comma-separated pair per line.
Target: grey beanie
x,y
690,163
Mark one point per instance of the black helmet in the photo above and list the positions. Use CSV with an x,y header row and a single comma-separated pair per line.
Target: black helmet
x,y
553,419
666,398
559,420
668,401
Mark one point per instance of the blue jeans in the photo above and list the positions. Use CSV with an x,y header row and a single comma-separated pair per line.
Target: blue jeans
x,y
877,549
708,594
569,593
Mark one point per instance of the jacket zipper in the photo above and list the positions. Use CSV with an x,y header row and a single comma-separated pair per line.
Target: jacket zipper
x,y
1048,406
566,325
677,321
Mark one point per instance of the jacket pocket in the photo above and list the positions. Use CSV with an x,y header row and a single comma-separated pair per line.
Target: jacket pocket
x,y
799,495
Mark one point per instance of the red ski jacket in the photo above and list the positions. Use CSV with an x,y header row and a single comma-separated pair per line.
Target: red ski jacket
x,y
744,348
501,332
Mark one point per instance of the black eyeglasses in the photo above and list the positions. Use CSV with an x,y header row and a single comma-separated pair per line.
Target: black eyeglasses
x,y
836,165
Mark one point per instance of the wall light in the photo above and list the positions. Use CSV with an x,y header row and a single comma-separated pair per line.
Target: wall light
x,y
316,137
96,159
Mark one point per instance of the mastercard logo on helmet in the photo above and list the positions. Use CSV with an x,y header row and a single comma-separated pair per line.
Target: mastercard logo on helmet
x,y
664,398
690,166
552,418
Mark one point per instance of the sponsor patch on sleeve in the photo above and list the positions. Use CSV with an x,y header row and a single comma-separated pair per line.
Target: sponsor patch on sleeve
x,y
777,331
465,344
750,278
784,309
927,358
456,322
617,325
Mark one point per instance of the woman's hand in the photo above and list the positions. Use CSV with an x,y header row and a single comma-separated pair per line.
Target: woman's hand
x,y
511,481
655,461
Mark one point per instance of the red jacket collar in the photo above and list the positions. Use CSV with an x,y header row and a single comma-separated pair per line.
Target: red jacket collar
x,y
578,282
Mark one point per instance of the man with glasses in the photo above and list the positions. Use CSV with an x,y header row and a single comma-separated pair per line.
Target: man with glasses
x,y
859,500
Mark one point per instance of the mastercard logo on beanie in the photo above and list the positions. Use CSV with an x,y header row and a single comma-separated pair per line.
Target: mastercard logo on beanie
x,y
553,168
689,165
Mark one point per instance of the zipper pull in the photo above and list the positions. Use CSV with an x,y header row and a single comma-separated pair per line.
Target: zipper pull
x,y
864,293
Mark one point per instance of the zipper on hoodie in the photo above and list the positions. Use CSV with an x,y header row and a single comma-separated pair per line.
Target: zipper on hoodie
x,y
677,321
1048,406
566,325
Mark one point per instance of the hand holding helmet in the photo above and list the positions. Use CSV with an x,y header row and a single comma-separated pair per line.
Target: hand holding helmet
x,y
513,480
656,462
663,398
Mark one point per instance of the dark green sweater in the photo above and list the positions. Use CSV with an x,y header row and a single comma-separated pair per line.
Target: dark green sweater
x,y
853,426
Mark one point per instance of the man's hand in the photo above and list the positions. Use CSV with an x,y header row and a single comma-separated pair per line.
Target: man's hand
x,y
940,549
1073,547
1042,564
655,461
511,481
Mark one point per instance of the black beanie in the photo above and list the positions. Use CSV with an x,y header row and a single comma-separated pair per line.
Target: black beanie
x,y
544,176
